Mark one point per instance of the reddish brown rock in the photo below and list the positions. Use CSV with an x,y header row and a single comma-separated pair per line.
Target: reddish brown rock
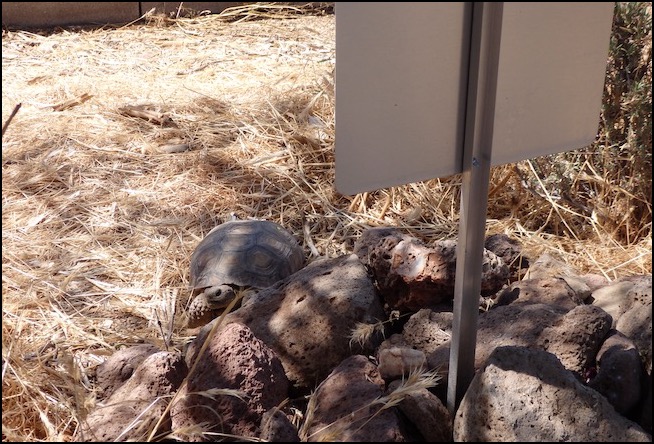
x,y
234,359
135,408
307,319
120,366
411,275
343,407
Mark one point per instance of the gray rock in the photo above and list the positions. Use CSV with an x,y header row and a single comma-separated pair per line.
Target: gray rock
x,y
552,291
629,302
430,332
276,427
619,372
636,322
617,298
614,299
234,359
510,251
644,413
547,266
579,286
522,394
426,413
594,281
133,410
514,324
345,408
576,337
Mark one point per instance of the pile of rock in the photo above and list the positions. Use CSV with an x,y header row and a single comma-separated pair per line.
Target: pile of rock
x,y
560,357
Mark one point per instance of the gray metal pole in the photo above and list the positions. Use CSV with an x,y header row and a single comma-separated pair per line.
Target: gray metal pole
x,y
480,115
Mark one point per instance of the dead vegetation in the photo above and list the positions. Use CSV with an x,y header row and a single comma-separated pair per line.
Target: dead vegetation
x,y
100,215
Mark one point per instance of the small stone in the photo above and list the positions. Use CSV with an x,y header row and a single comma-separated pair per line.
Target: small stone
x,y
395,362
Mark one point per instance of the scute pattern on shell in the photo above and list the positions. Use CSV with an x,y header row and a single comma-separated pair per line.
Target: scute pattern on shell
x,y
245,253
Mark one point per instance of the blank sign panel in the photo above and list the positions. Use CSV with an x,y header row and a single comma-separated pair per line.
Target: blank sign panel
x,y
401,75
402,79
551,77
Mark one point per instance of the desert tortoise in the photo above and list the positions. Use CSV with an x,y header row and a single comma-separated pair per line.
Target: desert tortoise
x,y
235,255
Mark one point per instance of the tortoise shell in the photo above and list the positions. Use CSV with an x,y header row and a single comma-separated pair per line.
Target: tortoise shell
x,y
245,253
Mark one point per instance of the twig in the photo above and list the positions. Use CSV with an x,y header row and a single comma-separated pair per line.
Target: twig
x,y
72,102
11,116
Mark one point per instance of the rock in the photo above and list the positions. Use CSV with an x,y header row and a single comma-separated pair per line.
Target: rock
x,y
514,324
547,266
133,410
644,413
430,332
579,286
617,298
408,274
371,237
552,291
629,302
594,281
395,340
411,275
344,407
307,318
120,366
636,322
619,372
510,251
276,427
395,362
614,299
426,413
576,337
522,394
234,359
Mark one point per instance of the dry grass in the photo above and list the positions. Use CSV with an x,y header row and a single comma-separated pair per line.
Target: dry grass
x,y
99,221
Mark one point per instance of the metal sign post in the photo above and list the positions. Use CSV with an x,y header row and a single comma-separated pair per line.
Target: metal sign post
x,y
478,145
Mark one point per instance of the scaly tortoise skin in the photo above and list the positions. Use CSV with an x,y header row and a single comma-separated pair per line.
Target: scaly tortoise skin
x,y
239,255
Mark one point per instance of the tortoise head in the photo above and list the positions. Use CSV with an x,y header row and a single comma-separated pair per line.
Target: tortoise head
x,y
209,304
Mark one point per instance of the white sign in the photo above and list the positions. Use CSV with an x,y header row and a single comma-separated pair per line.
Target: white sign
x,y
402,77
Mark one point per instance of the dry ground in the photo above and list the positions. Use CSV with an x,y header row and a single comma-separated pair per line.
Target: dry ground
x,y
99,220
